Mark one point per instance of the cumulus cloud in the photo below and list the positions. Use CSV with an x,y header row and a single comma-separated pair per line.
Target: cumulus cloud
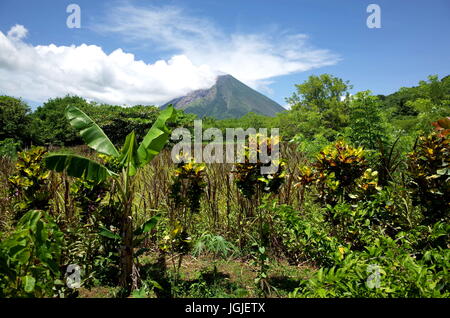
x,y
17,32
252,58
42,72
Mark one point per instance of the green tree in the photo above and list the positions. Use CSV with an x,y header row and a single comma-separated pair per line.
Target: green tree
x,y
52,128
118,121
435,90
320,104
320,91
15,120
366,126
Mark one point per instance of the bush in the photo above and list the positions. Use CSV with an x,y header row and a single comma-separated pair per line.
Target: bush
x,y
306,239
30,258
429,172
338,168
29,183
188,186
384,269
248,174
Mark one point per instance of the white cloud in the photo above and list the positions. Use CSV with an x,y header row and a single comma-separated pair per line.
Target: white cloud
x,y
17,32
41,72
252,58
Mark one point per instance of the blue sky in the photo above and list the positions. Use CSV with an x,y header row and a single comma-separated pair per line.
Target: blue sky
x,y
178,46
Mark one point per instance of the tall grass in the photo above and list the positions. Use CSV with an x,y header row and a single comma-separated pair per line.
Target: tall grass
x,y
224,210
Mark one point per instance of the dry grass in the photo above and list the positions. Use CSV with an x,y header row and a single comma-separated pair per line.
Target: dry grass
x,y
223,209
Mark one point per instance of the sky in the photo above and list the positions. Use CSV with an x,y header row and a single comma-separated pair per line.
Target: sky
x,y
131,52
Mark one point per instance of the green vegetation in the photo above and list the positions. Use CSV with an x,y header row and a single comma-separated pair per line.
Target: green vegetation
x,y
359,206
30,256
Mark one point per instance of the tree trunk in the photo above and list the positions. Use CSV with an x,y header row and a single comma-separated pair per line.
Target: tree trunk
x,y
126,255
126,251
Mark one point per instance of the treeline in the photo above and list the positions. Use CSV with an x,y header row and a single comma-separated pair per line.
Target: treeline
x,y
321,110
47,125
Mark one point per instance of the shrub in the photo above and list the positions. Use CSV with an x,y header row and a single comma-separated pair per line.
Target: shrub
x,y
30,256
306,239
338,167
353,225
429,172
248,176
340,175
188,185
29,184
384,269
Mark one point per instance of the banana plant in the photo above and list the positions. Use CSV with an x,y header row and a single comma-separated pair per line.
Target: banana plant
x,y
131,157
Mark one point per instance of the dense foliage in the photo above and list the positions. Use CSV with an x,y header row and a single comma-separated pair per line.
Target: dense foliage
x,y
359,206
